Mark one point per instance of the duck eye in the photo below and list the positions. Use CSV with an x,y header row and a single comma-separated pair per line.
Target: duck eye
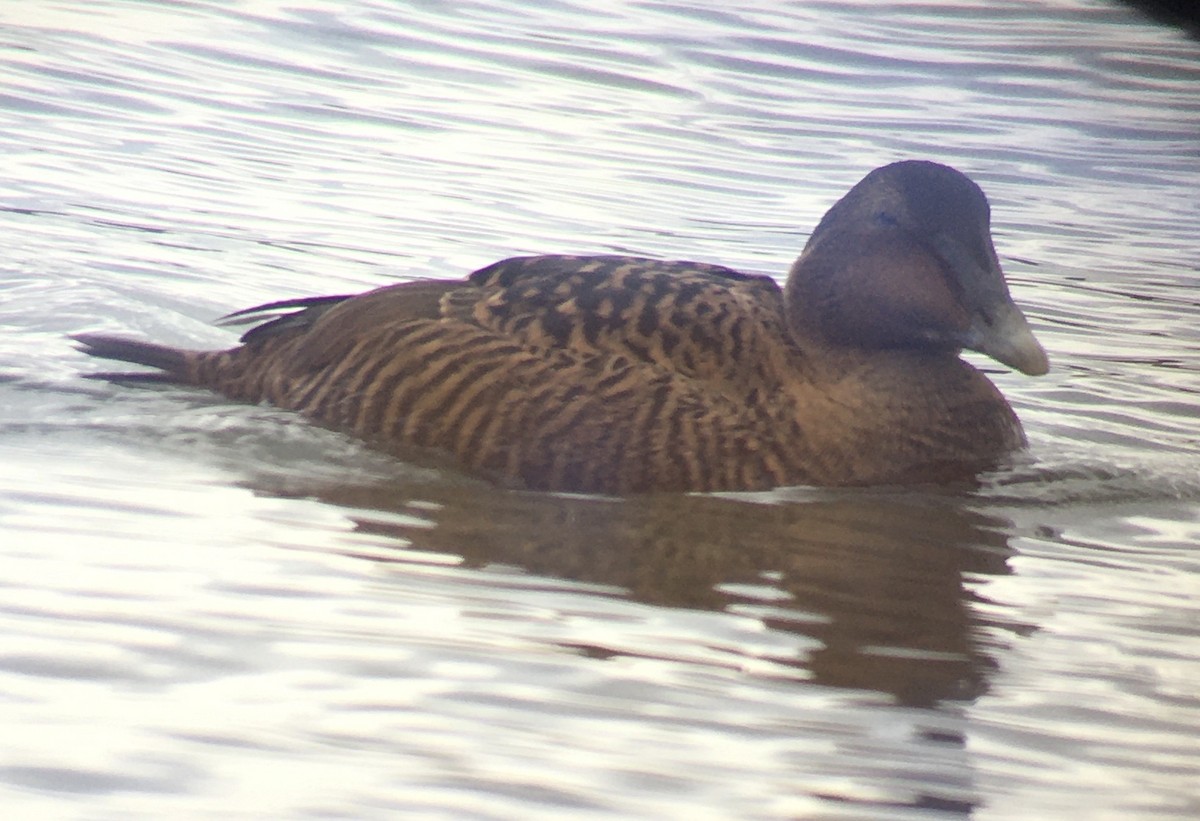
x,y
885,218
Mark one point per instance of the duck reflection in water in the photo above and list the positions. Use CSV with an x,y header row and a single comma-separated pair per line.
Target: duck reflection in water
x,y
876,578
870,583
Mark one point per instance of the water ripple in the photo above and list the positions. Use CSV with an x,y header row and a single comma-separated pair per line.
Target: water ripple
x,y
210,608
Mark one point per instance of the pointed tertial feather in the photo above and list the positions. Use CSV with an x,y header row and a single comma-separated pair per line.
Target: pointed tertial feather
x,y
277,308
276,317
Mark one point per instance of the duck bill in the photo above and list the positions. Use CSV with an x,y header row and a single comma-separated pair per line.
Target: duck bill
x,y
998,328
1007,338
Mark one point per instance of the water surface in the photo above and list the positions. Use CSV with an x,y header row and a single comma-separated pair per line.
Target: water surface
x,y
215,609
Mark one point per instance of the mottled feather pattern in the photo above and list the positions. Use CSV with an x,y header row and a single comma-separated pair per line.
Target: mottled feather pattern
x,y
697,320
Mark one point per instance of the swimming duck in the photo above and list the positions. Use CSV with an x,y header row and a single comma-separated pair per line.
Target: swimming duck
x,y
616,374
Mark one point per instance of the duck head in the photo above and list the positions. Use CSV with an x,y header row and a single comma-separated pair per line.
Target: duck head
x,y
905,261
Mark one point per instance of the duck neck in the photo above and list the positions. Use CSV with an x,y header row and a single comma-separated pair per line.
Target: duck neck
x,y
883,414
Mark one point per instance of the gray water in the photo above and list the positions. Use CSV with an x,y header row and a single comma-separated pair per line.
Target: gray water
x,y
209,609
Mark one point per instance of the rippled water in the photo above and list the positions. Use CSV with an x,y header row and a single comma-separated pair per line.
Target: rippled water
x,y
208,608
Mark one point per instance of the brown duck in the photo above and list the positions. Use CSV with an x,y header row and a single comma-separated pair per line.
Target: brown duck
x,y
616,374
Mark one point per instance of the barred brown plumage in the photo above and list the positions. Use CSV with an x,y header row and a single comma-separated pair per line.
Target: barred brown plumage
x,y
617,374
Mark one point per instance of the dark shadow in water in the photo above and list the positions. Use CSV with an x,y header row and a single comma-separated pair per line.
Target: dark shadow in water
x,y
877,579
1182,13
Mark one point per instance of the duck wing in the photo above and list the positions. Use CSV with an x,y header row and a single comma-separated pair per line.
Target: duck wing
x,y
695,320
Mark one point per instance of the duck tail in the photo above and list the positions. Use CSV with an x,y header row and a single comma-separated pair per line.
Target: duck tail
x,y
172,364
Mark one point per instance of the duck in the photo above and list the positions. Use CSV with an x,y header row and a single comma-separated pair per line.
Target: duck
x,y
611,374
